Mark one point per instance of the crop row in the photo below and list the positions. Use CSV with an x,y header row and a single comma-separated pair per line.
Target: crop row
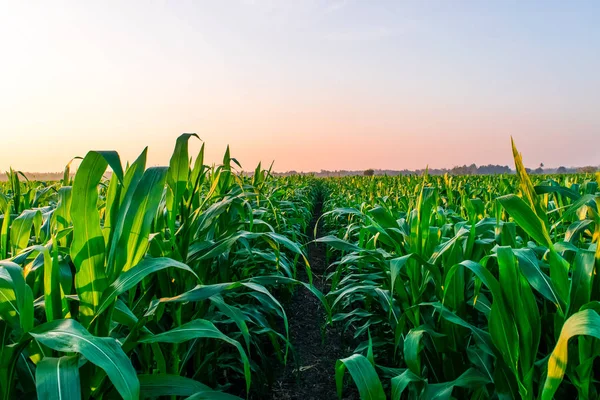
x,y
467,286
146,282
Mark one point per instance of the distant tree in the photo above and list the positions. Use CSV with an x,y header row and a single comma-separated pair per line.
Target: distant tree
x,y
457,170
587,169
493,169
561,170
369,172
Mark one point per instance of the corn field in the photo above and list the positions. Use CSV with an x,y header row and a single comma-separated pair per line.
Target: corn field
x,y
172,282
478,287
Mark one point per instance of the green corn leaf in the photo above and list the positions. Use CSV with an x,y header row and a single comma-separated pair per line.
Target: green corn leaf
x,y
4,200
177,179
61,218
198,166
236,316
585,322
383,217
13,178
482,337
338,244
529,265
130,182
202,292
585,200
535,227
200,328
156,385
502,328
446,246
424,208
113,194
527,187
54,301
16,296
70,336
401,382
4,244
293,247
577,228
526,218
66,181
274,280
133,241
261,289
212,395
470,379
482,361
133,276
114,162
9,310
58,378
580,291
563,191
363,374
522,306
412,346
20,230
87,249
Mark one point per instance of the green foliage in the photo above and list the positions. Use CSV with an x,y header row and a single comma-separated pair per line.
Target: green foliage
x,y
467,286
126,282
172,281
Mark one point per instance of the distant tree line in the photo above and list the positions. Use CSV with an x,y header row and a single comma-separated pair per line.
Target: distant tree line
x,y
481,170
473,169
38,176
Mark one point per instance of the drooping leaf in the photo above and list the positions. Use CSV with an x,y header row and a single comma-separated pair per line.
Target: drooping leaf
x,y
69,336
200,328
586,322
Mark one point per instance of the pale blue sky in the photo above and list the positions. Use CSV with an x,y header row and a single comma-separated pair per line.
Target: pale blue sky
x,y
311,84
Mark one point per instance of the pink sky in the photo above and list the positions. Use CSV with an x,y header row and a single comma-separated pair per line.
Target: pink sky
x,y
310,84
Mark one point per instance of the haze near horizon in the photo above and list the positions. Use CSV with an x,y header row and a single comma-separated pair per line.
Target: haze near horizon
x,y
310,84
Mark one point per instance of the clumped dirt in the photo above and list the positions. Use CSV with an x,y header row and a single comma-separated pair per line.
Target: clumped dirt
x,y
312,376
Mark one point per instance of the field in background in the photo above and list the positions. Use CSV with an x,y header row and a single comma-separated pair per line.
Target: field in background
x,y
175,281
467,287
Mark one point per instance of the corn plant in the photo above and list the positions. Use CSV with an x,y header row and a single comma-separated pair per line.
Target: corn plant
x,y
469,287
146,282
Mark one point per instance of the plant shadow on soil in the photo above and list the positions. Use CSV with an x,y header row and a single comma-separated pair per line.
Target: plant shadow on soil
x,y
317,348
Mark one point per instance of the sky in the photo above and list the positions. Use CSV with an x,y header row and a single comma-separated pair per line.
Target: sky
x,y
309,84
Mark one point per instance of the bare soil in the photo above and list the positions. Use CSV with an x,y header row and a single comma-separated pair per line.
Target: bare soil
x,y
317,348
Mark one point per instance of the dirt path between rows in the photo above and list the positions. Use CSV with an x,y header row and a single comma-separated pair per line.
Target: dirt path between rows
x,y
312,377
